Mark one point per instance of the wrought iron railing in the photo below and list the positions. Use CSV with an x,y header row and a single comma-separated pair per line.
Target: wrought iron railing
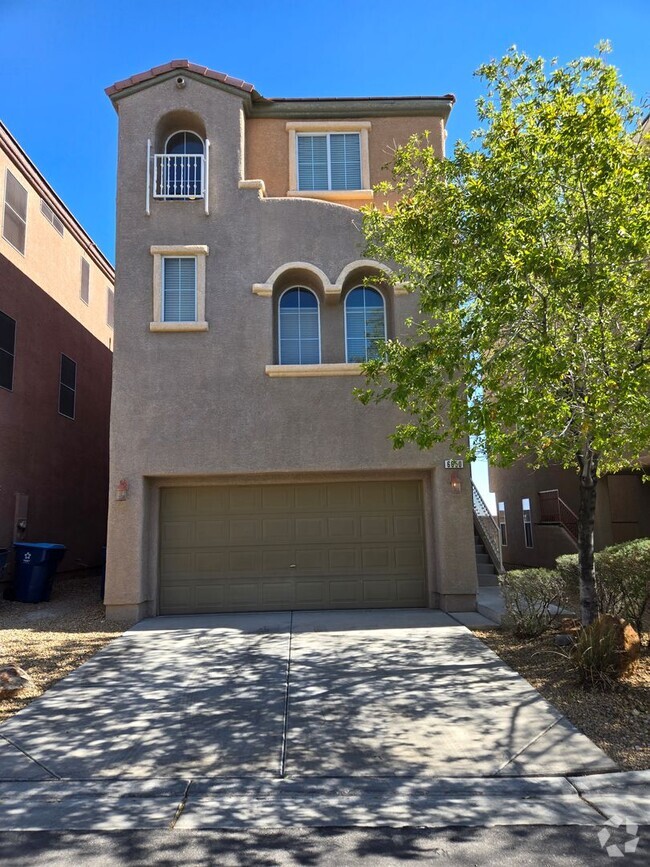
x,y
553,510
487,528
178,176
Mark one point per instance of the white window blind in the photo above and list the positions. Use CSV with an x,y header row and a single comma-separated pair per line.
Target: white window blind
x,y
299,328
329,161
365,324
179,289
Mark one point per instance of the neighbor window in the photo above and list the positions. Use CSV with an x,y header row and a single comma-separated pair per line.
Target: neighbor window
x,y
329,161
502,524
110,307
298,327
14,225
84,293
365,324
7,350
67,386
51,217
528,524
179,288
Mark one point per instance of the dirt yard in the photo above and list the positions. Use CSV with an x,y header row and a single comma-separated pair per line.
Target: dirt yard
x,y
51,639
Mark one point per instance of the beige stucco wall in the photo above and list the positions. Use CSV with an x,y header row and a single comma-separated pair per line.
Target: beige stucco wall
x,y
267,148
54,262
198,407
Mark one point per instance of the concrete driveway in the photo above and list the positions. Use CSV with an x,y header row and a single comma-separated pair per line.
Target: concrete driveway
x,y
265,714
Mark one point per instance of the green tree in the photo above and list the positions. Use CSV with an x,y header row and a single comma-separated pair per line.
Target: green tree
x,y
530,251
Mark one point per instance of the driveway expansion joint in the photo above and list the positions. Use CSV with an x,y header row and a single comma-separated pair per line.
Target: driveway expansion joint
x,y
31,758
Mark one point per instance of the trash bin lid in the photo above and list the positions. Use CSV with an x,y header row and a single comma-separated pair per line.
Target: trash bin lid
x,y
48,545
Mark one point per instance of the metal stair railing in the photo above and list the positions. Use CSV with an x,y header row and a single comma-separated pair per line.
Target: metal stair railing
x,y
553,510
487,528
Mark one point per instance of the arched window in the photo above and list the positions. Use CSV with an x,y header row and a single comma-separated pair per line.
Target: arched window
x,y
298,327
181,167
365,323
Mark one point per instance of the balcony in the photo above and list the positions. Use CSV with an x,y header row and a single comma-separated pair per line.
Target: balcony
x,y
553,510
178,176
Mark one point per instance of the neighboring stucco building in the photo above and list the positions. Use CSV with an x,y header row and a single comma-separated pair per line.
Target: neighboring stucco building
x,y
56,334
244,474
537,512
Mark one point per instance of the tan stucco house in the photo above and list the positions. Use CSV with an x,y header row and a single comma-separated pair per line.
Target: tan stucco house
x,y
244,474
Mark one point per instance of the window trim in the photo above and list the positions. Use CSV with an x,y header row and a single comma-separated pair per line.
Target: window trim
x,y
345,318
7,205
503,525
280,297
12,354
199,252
63,385
528,522
48,212
294,128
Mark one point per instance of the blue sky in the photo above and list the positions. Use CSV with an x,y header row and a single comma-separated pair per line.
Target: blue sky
x,y
59,55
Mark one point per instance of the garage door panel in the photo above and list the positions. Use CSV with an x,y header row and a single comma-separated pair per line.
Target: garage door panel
x,y
311,529
212,532
211,501
334,544
310,497
177,533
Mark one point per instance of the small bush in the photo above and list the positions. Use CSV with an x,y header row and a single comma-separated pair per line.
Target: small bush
x,y
623,580
568,567
604,651
533,598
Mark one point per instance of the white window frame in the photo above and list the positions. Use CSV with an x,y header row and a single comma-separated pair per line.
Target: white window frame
x,y
6,205
296,128
345,318
199,252
280,297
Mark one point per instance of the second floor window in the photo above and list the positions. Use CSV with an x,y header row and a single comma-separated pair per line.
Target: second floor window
x,y
67,386
14,224
365,324
179,289
84,292
329,161
298,327
179,170
7,350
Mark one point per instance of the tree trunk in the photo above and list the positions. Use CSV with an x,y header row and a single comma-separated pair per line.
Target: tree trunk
x,y
588,462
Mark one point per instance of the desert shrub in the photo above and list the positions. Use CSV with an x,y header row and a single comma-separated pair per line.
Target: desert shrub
x,y
533,599
623,580
569,569
604,650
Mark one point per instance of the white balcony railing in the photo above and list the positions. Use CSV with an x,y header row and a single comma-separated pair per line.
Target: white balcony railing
x,y
178,176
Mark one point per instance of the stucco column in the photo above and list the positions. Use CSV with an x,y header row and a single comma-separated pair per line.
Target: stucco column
x,y
126,596
456,579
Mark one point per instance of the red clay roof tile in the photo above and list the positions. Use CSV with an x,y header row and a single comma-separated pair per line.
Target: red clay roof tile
x,y
237,83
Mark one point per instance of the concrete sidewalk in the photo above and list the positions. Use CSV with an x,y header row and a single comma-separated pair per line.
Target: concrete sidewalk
x,y
315,718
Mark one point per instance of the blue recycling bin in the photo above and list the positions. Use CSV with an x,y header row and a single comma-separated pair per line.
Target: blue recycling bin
x,y
36,563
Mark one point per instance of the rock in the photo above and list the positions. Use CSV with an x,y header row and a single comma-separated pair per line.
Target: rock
x,y
628,642
13,679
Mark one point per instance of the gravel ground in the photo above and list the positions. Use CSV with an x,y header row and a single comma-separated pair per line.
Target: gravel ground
x,y
51,639
618,721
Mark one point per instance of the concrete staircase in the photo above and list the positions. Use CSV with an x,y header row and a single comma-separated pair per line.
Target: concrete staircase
x,y
487,574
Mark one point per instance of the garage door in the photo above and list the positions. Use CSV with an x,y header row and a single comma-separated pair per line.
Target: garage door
x,y
299,546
